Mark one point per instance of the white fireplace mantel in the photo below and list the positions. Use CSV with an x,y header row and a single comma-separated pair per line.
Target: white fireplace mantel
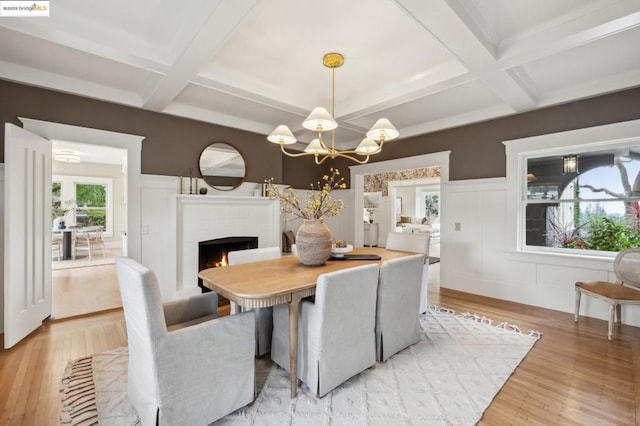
x,y
202,217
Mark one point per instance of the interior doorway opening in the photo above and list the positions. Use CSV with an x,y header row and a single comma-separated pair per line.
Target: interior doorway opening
x,y
82,285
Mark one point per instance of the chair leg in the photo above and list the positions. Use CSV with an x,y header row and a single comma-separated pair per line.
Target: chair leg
x,y
577,313
619,314
612,314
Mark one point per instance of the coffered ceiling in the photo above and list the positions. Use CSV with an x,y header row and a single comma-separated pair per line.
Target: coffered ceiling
x,y
251,64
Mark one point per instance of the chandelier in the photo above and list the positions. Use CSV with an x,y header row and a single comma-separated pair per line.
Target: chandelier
x,y
321,121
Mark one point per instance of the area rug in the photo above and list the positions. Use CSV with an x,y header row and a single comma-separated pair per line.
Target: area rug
x,y
448,378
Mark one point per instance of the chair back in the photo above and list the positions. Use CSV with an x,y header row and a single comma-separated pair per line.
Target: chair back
x,y
398,304
627,267
413,242
342,334
347,303
145,322
237,257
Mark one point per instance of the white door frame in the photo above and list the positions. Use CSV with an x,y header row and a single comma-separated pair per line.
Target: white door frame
x,y
131,143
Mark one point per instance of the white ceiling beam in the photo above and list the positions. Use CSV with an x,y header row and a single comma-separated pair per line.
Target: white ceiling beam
x,y
437,17
62,83
222,23
580,31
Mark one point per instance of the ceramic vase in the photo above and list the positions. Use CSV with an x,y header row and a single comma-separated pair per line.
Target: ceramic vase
x,y
313,241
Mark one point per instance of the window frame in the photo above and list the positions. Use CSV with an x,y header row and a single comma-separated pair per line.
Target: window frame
x,y
519,151
68,192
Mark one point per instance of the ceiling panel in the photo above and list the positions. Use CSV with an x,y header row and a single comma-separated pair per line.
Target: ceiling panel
x,y
584,65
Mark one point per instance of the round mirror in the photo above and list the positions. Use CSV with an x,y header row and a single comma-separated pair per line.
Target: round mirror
x,y
222,166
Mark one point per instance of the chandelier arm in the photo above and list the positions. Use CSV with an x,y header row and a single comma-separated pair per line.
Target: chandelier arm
x,y
324,145
301,154
342,154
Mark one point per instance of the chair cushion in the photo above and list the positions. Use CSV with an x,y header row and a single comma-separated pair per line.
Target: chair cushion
x,y
609,290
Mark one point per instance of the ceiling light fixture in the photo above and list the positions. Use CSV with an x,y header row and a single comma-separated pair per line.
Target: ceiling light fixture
x,y
67,156
321,121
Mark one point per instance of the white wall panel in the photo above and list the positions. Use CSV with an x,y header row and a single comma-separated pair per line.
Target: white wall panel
x,y
158,229
477,258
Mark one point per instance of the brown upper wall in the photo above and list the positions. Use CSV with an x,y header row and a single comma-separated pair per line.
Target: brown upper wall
x,y
172,144
477,150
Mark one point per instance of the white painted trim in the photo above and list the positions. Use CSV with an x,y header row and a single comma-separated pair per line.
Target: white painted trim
x,y
519,150
131,143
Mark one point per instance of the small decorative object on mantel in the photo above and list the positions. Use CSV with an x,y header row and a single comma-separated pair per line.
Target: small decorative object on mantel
x,y
203,191
313,239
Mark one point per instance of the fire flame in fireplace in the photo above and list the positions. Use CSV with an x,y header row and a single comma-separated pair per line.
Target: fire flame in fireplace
x,y
223,261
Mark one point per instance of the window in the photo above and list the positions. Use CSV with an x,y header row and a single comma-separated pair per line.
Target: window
x,y
91,201
593,206
590,210
84,201
428,199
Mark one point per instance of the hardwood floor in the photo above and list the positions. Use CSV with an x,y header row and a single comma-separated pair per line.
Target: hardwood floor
x,y
572,376
79,291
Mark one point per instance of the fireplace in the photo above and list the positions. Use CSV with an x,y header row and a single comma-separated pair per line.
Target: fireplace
x,y
213,253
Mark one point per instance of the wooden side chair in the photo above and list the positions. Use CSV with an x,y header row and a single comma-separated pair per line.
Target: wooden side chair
x,y
56,246
625,291
87,239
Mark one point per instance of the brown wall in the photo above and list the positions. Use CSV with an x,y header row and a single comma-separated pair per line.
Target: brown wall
x,y
477,150
173,144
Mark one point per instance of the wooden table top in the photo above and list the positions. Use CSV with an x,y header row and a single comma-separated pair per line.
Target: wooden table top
x,y
271,282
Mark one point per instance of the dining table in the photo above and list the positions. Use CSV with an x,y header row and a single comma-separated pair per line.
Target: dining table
x,y
67,237
284,280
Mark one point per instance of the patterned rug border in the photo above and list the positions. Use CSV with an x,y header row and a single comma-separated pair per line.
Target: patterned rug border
x,y
77,391
484,320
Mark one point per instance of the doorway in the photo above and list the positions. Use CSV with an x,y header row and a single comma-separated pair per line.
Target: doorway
x,y
440,159
86,286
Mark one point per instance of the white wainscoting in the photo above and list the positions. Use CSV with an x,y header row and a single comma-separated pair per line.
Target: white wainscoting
x,y
165,216
477,259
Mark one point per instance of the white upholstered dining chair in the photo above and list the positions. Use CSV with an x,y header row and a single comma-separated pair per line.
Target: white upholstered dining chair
x,y
264,316
336,333
418,242
625,291
186,366
398,305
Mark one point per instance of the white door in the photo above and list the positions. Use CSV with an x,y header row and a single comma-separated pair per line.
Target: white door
x,y
27,233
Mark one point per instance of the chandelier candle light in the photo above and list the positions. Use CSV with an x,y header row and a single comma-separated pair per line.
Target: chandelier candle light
x,y
321,121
